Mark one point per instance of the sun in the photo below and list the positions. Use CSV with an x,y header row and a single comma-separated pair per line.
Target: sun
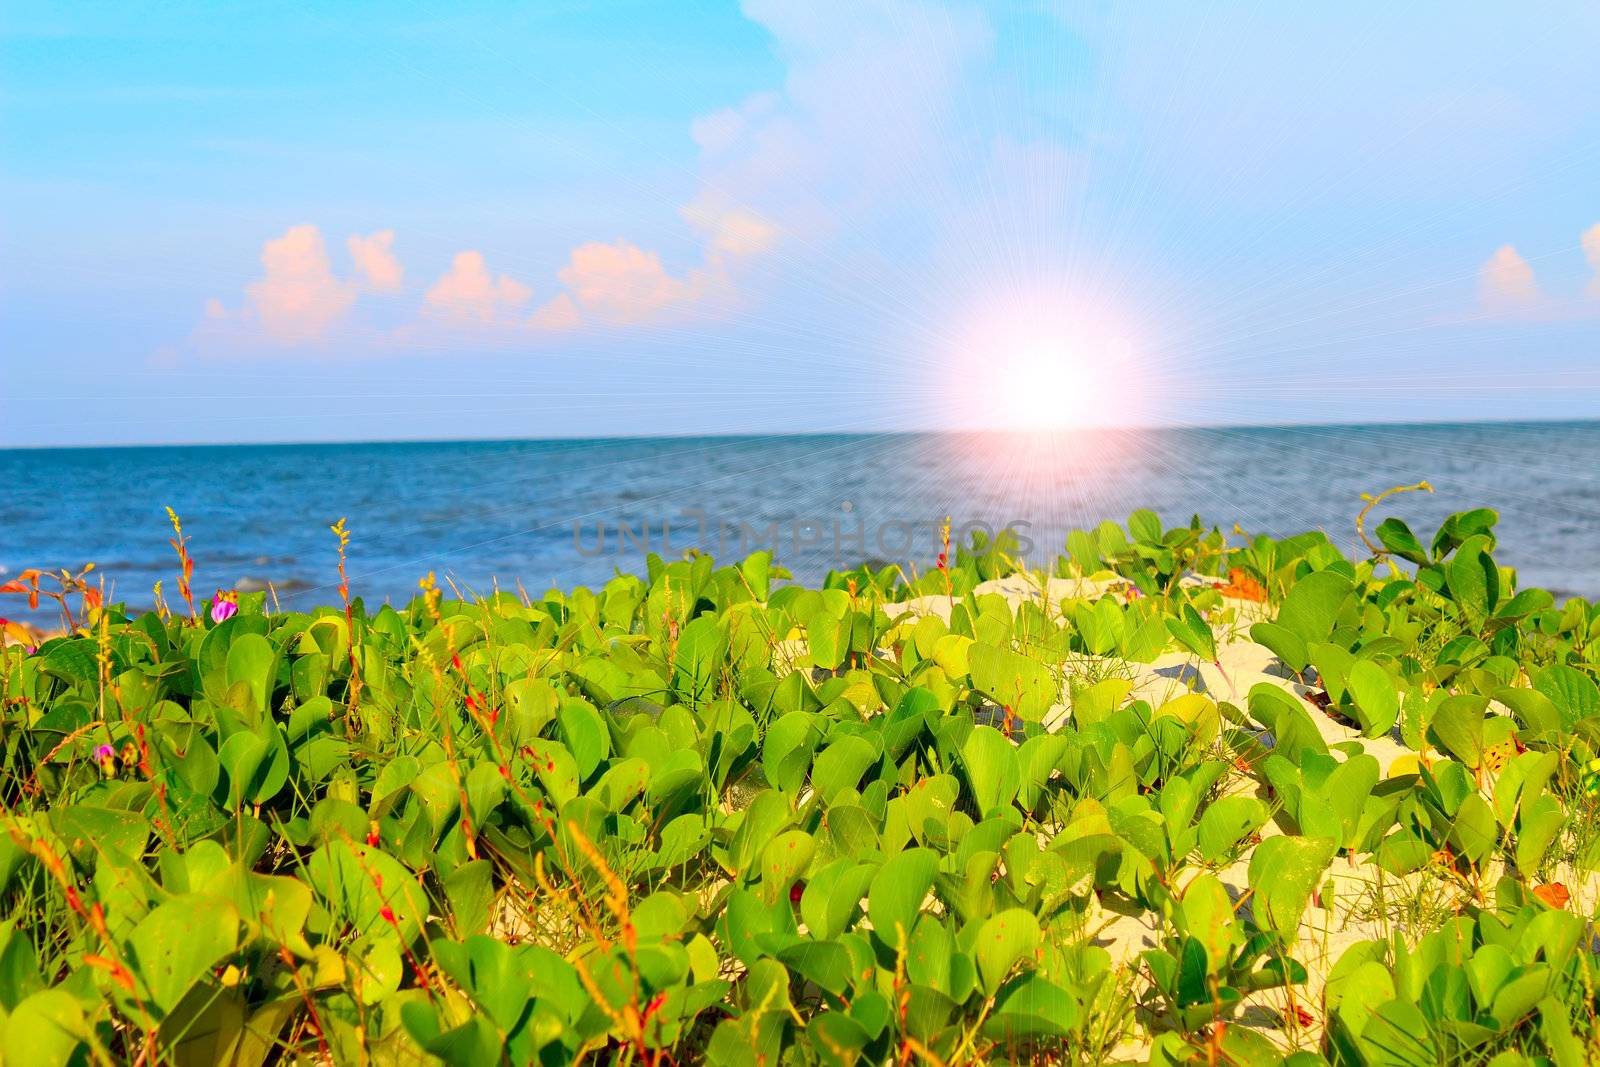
x,y
1042,363
1045,383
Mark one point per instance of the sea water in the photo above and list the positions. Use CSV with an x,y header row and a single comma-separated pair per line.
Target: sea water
x,y
532,514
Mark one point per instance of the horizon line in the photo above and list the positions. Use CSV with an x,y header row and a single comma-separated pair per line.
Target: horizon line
x,y
751,435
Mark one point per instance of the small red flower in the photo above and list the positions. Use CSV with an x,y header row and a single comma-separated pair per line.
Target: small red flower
x,y
388,915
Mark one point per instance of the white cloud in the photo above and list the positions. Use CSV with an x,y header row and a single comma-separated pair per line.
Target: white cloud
x,y
375,260
722,129
299,301
296,301
731,231
468,294
861,115
558,313
1506,283
623,284
861,109
298,297
1591,251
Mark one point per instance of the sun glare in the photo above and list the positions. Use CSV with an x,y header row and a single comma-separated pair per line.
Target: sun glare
x,y
1046,384
1045,365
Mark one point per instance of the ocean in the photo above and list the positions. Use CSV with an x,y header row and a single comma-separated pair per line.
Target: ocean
x,y
536,514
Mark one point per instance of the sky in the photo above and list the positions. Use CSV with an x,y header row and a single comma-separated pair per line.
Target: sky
x,y
294,221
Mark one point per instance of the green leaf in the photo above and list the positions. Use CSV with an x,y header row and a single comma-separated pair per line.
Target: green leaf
x,y
1456,529
839,767
1228,821
992,767
787,748
1457,727
585,733
1282,642
488,970
697,664
1377,703
1145,525
622,781
474,1042
1474,578
1208,920
438,790
757,571
767,815
178,943
1535,712
531,704
1537,827
1398,1033
1004,940
1473,831
828,639
1524,603
356,883
72,661
19,967
785,859
897,893
254,661
556,770
678,775
837,1038
1013,680
1193,634
1283,871
1333,663
950,652
1313,604
1293,732
832,896
1397,537
48,1029
89,830
1575,694
469,890
824,962
1032,1006
257,762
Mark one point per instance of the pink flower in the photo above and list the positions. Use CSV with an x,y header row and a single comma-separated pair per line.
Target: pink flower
x,y
223,608
106,756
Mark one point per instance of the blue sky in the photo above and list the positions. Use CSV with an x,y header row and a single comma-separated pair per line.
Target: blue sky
x,y
240,222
